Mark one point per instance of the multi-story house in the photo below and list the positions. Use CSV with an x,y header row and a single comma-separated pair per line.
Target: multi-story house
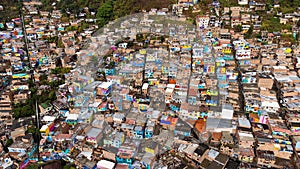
x,y
202,21
6,105
138,132
94,135
227,143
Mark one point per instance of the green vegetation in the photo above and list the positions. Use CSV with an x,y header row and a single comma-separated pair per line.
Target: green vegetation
x,y
228,3
72,28
60,71
54,84
191,16
288,38
33,130
47,5
60,43
64,19
203,5
287,27
10,10
46,96
52,39
28,108
271,24
238,28
162,38
122,8
249,33
23,109
82,27
112,9
288,6
33,166
101,76
68,167
9,142
105,12
106,9
141,37
109,65
35,133
269,4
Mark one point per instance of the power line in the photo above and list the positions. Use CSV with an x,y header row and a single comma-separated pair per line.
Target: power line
x,y
31,75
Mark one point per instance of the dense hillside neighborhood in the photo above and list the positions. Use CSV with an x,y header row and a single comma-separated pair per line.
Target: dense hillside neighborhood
x,y
149,84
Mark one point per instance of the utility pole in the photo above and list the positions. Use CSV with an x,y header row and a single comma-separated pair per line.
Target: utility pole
x,y
37,116
143,73
24,31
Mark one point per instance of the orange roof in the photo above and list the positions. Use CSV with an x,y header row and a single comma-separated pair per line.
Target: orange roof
x,y
172,81
200,125
217,136
254,116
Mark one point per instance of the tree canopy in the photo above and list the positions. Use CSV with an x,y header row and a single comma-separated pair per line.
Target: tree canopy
x,y
249,33
271,24
105,12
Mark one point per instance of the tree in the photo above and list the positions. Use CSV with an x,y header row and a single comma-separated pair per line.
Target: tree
x,y
27,110
60,43
287,38
248,34
287,26
271,24
52,95
225,3
111,65
83,26
9,142
23,109
60,71
33,90
105,12
162,38
52,39
35,133
43,77
101,76
33,130
68,167
72,28
64,19
54,83
140,38
46,5
32,166
238,28
55,71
